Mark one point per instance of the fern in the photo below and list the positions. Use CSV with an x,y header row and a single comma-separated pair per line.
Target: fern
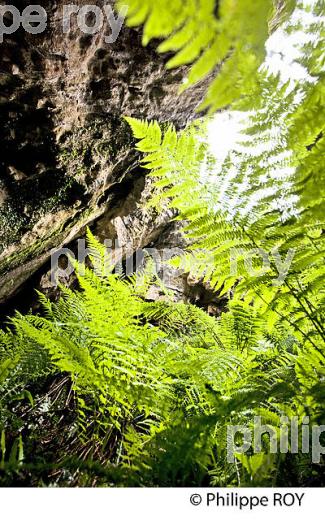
x,y
266,204
140,371
228,36
263,208
152,387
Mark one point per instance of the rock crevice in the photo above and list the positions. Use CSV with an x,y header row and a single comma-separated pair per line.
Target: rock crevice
x,y
64,142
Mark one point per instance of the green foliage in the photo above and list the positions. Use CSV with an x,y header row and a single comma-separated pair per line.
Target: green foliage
x,y
255,233
106,388
256,229
225,35
228,247
155,385
175,160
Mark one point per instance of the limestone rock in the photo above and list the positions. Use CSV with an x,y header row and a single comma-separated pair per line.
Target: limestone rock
x,y
64,144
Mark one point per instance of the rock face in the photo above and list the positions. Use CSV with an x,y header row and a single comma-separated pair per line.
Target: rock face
x,y
67,155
